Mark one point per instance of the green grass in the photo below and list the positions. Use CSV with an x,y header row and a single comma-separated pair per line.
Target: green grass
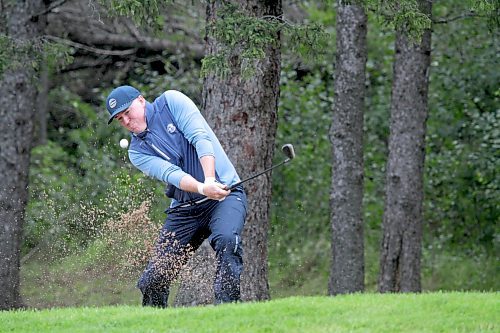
x,y
432,312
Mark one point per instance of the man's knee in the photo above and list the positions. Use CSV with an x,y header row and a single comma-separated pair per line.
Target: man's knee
x,y
226,243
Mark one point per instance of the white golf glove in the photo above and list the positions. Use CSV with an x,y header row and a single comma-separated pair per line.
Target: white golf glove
x,y
209,181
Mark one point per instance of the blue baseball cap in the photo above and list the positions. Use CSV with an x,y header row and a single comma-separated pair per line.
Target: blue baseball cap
x,y
120,99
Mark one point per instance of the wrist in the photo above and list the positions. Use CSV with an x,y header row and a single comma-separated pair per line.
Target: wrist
x,y
200,188
209,180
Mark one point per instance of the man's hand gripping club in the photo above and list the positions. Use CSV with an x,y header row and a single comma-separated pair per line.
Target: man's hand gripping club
x,y
213,190
210,187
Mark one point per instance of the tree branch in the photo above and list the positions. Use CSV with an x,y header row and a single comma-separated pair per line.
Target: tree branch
x,y
54,5
82,30
90,48
455,18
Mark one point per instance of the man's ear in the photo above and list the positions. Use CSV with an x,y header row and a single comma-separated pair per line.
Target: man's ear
x,y
142,100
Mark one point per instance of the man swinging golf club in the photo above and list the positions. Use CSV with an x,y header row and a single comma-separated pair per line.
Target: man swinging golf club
x,y
171,141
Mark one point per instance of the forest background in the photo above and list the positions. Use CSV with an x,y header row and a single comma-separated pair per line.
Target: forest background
x,y
80,179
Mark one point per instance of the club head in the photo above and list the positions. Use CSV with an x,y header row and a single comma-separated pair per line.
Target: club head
x,y
288,151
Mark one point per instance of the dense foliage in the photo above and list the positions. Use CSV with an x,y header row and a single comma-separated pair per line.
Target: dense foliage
x,y
462,187
81,177
461,184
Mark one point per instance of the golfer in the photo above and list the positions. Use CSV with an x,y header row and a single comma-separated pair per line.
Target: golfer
x,y
171,141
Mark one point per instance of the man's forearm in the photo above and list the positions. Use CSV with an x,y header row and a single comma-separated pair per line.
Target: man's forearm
x,y
189,184
208,165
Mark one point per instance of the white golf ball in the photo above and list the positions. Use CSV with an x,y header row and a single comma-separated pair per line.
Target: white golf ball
x,y
124,143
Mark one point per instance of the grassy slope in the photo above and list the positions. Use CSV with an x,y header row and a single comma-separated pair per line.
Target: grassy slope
x,y
433,312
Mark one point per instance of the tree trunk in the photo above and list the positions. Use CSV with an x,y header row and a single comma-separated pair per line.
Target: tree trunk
x,y
402,222
346,136
42,110
17,106
243,113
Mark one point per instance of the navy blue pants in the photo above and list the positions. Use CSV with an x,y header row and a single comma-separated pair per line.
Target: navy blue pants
x,y
183,232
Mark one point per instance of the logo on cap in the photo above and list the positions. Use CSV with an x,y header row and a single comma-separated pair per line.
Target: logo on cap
x,y
112,103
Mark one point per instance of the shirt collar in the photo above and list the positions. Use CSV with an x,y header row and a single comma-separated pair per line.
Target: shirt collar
x,y
149,112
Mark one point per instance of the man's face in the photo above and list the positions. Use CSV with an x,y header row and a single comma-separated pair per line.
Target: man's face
x,y
134,118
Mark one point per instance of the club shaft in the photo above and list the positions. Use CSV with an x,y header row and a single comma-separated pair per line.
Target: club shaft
x,y
257,175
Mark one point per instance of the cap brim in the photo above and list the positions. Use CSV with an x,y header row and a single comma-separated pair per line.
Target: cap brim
x,y
120,109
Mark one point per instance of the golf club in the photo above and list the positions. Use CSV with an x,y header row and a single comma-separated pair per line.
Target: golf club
x,y
287,150
289,153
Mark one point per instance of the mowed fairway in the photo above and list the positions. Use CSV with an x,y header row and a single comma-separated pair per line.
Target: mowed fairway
x,y
428,312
